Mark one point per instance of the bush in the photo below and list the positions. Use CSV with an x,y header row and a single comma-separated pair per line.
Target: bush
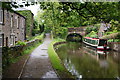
x,y
114,25
63,32
21,43
114,40
95,28
92,34
111,32
39,36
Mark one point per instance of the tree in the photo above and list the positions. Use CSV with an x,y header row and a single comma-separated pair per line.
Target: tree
x,y
76,14
72,14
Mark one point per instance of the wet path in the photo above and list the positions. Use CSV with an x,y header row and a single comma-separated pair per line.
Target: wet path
x,y
38,65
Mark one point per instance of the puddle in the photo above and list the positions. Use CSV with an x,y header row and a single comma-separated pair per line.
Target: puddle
x,y
44,49
43,55
50,74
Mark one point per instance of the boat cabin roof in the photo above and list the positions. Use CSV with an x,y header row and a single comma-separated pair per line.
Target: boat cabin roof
x,y
94,38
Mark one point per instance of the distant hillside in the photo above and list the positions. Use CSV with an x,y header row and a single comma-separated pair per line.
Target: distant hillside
x,y
29,21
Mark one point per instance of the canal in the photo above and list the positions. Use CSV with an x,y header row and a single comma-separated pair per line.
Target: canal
x,y
86,62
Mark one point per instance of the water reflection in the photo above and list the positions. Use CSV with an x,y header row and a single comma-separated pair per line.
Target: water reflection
x,y
86,62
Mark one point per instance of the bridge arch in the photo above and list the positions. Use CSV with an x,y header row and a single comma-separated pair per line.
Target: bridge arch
x,y
74,37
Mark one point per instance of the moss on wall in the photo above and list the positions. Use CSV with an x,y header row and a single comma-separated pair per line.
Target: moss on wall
x,y
29,21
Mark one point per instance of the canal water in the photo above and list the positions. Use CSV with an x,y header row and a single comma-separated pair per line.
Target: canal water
x,y
86,62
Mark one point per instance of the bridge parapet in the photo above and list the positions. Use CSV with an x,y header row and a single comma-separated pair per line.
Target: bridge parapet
x,y
78,30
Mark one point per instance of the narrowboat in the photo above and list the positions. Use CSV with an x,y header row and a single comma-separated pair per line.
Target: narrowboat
x,y
100,44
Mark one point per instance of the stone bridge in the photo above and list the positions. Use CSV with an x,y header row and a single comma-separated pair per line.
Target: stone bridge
x,y
75,34
77,30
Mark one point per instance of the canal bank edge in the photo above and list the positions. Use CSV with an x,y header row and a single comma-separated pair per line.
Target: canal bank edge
x,y
56,62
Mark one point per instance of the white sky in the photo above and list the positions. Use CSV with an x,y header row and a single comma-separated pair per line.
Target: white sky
x,y
34,8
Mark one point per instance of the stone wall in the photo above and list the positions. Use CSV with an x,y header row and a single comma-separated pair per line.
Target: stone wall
x,y
76,29
59,43
14,52
29,21
114,46
13,27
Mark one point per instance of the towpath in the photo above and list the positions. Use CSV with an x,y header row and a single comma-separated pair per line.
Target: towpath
x,y
38,64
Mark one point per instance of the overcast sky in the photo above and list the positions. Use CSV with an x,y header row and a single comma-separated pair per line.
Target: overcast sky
x,y
34,8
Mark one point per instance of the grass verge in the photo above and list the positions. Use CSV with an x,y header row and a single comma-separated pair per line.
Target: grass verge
x,y
41,36
24,54
29,49
56,62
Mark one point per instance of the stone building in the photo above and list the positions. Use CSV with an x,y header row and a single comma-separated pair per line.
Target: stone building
x,y
29,20
12,27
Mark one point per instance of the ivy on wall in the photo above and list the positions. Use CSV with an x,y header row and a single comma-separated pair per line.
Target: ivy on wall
x,y
29,22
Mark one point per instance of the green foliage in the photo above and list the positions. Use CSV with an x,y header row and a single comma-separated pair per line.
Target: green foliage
x,y
36,29
61,32
41,28
10,58
21,43
88,30
111,32
39,36
115,25
56,62
52,21
92,34
94,28
57,15
5,5
114,40
29,49
29,22
114,36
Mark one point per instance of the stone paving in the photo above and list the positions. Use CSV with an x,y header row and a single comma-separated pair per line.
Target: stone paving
x,y
38,65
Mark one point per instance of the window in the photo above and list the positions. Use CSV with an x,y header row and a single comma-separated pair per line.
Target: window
x,y
1,16
96,42
1,40
12,38
102,42
93,42
11,21
17,22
